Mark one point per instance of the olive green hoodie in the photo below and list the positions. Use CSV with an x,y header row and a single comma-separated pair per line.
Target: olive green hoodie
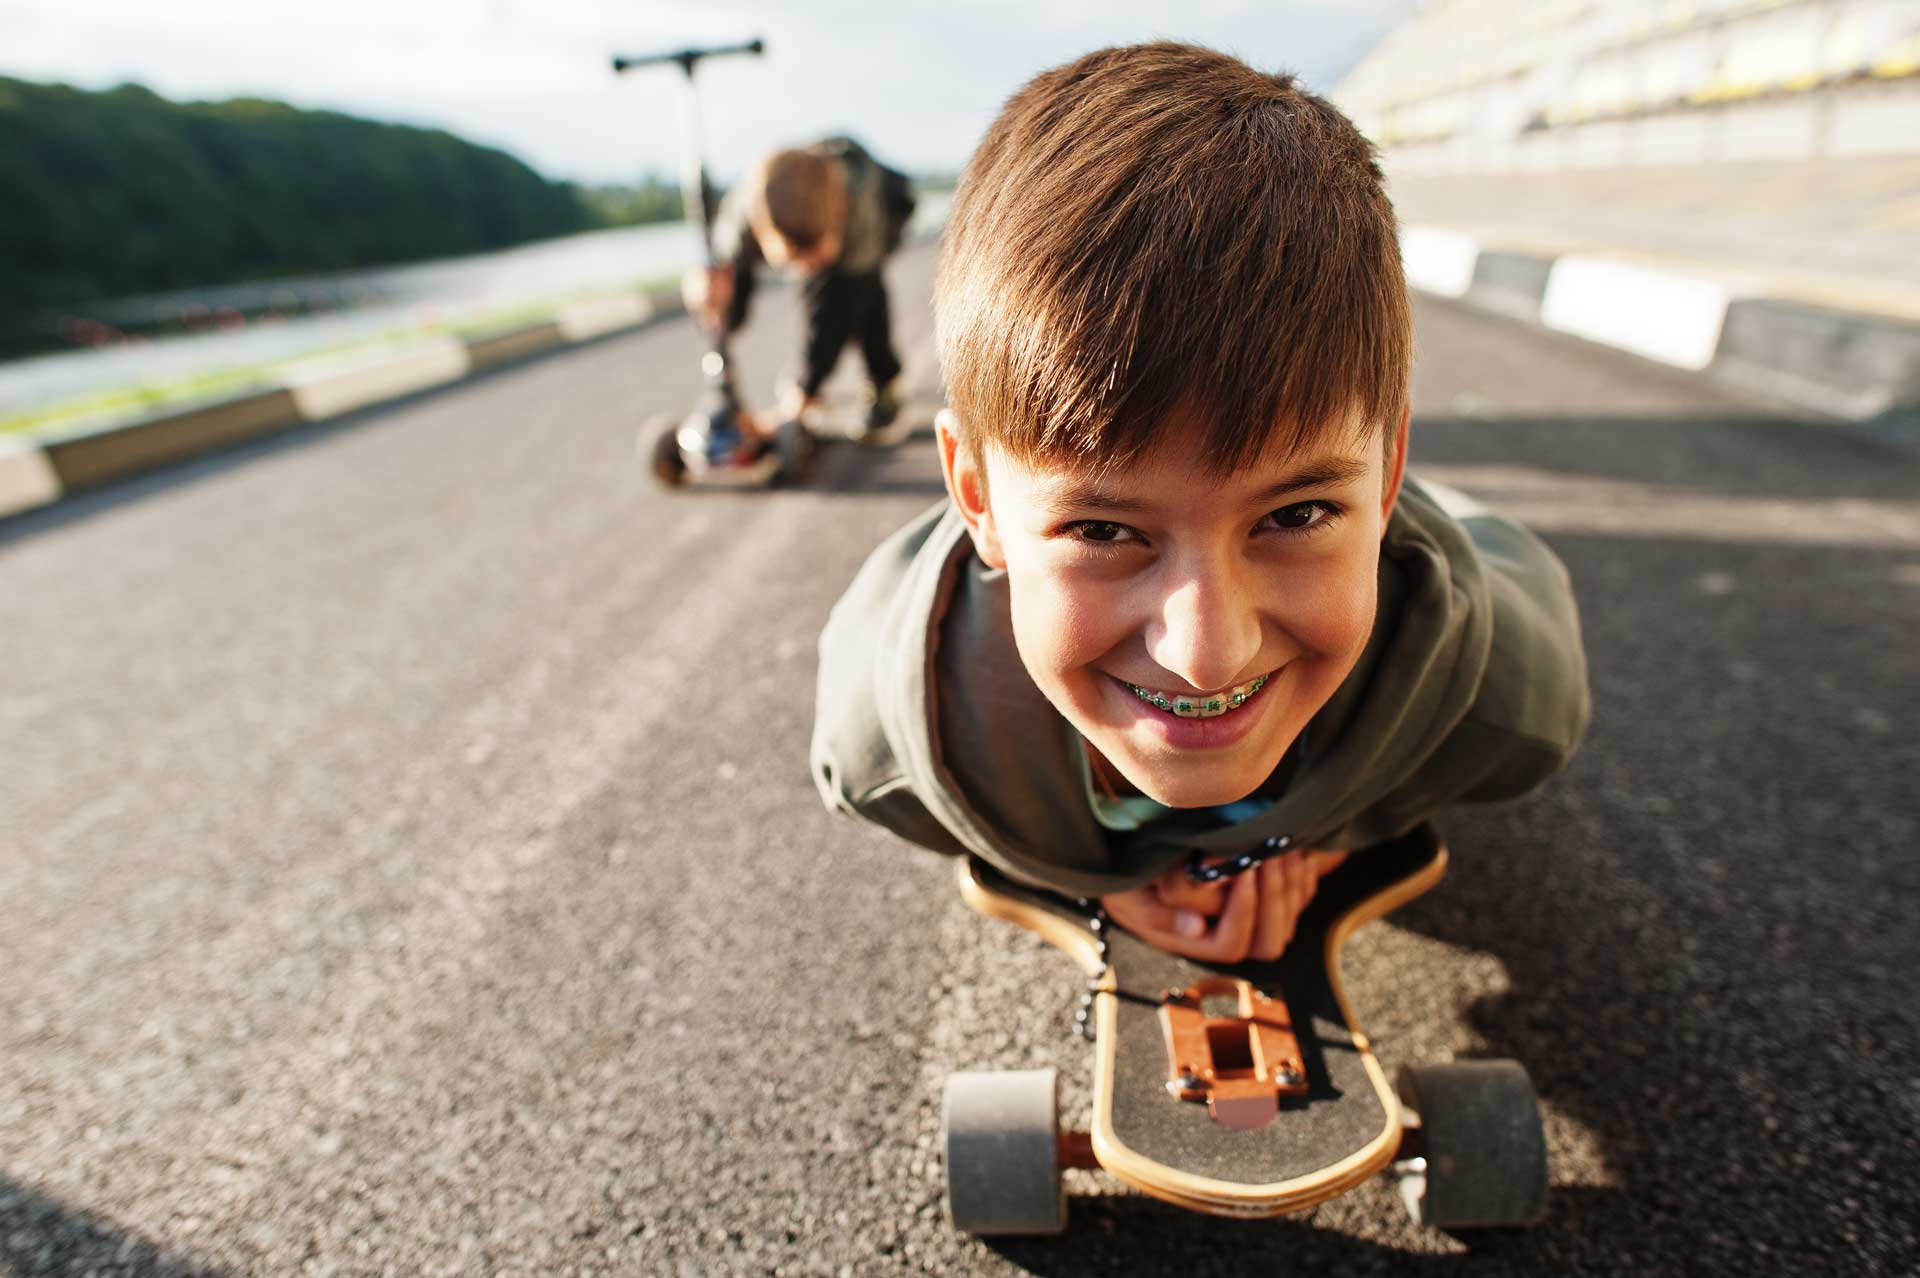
x,y
1472,686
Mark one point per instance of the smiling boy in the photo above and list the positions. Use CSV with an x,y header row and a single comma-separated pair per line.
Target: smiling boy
x,y
1184,607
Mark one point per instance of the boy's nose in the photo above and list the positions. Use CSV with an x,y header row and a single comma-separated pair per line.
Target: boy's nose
x,y
1206,631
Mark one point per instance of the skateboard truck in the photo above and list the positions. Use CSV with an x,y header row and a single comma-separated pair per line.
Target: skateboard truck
x,y
1240,1065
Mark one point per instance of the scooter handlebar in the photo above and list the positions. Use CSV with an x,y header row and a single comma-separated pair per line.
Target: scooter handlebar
x,y
686,58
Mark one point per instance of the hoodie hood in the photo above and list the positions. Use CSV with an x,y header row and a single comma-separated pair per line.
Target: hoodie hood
x,y
1472,685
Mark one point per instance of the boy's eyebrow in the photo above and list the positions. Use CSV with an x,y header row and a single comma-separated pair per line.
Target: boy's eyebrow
x,y
1320,472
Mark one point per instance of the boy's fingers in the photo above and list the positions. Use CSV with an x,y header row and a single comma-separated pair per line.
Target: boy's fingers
x,y
1287,884
1176,889
1183,931
1140,912
1276,920
1232,936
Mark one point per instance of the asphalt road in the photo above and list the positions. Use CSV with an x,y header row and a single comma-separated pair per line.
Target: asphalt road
x,y
410,864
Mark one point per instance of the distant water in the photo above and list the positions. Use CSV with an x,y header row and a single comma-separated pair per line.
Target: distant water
x,y
396,297
381,300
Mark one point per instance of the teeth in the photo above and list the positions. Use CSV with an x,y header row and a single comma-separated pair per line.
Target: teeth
x,y
1199,707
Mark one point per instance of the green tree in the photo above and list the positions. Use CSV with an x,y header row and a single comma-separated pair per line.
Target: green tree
x,y
122,192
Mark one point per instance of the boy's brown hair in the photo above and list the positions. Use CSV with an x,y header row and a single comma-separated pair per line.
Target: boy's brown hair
x,y
1160,228
800,194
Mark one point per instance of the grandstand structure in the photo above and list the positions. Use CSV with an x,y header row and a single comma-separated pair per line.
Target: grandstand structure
x,y
1501,86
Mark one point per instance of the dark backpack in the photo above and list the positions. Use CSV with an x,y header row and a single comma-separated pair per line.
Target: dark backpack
x,y
896,193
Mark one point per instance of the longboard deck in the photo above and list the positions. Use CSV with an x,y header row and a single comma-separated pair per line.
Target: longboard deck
x,y
1344,1129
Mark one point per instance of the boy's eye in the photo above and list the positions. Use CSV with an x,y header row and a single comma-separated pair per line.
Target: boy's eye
x,y
1300,517
1100,531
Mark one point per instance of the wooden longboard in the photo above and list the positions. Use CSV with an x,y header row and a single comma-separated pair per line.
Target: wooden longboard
x,y
1342,1127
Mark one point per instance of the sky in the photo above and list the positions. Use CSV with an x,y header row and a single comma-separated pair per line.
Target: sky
x,y
916,80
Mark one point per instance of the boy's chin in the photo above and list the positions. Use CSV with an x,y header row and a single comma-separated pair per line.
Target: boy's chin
x,y
1214,788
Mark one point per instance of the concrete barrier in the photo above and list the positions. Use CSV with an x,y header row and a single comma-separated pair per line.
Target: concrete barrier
x,y
1846,363
1438,261
1510,282
89,458
514,343
334,385
597,316
27,479
1852,364
38,471
1672,318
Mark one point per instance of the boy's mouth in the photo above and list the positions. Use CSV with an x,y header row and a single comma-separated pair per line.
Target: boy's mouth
x,y
1210,706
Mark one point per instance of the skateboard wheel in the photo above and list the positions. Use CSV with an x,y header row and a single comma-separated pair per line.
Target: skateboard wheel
x,y
663,455
1003,1153
1485,1151
793,445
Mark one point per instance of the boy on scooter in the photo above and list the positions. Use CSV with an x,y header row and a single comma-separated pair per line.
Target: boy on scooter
x,y
833,214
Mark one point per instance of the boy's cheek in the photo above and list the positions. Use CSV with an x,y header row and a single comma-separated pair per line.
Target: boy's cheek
x,y
1056,625
1332,611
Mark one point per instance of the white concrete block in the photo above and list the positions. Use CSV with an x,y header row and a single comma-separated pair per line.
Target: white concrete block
x,y
1675,319
334,385
1786,129
1602,145
1438,261
1877,119
593,316
1673,138
26,477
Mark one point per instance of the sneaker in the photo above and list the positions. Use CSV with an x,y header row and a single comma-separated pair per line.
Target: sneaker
x,y
884,424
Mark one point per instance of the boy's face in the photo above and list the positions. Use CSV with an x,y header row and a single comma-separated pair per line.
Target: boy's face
x,y
783,254
1238,602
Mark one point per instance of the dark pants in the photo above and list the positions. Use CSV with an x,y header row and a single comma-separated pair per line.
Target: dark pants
x,y
836,306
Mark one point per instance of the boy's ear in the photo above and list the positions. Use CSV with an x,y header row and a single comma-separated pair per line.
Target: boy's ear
x,y
1396,464
967,485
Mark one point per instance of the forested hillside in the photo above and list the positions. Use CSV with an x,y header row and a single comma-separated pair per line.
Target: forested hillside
x,y
121,192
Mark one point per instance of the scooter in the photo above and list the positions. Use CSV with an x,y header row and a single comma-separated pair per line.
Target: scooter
x,y
717,444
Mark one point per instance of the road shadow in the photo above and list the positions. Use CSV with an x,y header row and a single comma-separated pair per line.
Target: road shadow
x,y
1139,1235
1705,921
910,468
43,1238
1728,455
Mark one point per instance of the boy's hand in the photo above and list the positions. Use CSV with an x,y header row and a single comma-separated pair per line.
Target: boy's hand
x,y
708,291
1250,915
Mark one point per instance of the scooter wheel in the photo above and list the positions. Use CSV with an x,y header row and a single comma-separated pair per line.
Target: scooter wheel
x,y
663,456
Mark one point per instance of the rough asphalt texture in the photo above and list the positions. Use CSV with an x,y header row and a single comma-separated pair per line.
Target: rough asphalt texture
x,y
411,868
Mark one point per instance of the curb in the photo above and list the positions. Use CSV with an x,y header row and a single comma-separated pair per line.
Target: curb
x,y
37,472
1853,365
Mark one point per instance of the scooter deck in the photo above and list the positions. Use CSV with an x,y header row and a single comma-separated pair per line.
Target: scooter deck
x,y
1341,1128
